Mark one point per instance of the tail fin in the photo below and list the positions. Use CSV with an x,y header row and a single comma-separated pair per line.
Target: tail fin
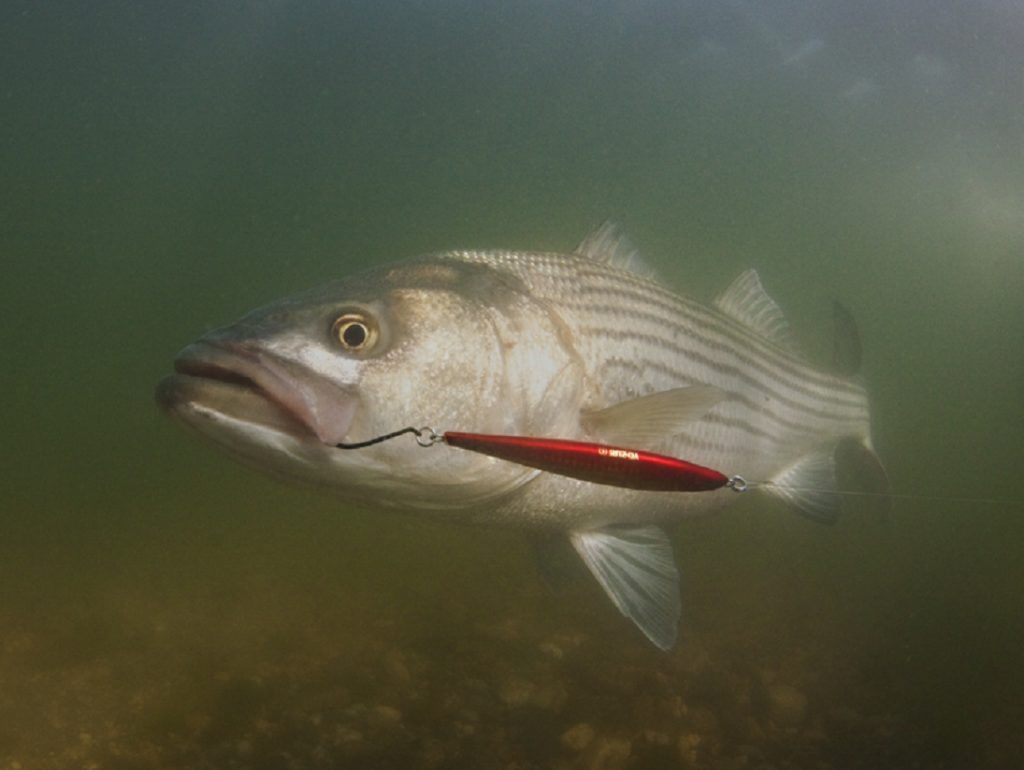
x,y
859,470
846,351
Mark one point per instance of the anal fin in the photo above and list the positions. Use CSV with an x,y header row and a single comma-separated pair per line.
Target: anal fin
x,y
636,568
835,477
809,486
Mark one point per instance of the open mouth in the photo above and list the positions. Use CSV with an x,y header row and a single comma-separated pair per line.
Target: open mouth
x,y
236,382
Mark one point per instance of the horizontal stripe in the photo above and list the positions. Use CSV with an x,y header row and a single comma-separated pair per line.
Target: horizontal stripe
x,y
737,373
702,320
685,381
677,341
661,341
756,409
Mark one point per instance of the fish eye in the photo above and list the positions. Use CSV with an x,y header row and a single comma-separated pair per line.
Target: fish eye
x,y
355,332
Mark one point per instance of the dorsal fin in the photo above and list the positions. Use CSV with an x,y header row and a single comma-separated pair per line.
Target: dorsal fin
x,y
610,246
746,301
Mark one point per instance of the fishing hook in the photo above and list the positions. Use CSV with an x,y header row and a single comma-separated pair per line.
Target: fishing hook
x,y
425,436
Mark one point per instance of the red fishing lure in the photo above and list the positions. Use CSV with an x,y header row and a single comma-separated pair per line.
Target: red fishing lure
x,y
597,463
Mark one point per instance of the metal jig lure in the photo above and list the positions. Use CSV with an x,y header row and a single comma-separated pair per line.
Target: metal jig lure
x,y
583,460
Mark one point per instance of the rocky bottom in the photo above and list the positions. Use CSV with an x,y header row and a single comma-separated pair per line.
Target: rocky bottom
x,y
245,670
212,687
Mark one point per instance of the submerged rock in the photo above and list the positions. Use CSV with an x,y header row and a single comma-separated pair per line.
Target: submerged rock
x,y
578,737
786,705
703,720
687,747
344,735
609,754
550,696
547,696
395,667
552,650
515,692
383,717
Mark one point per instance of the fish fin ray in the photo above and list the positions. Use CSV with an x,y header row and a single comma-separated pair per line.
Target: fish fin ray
x,y
809,486
859,470
636,568
747,302
846,475
651,420
608,245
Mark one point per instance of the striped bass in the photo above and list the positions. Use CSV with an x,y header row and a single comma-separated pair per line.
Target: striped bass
x,y
583,346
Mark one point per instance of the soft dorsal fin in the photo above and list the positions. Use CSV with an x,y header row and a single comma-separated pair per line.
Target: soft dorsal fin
x,y
610,246
650,421
746,301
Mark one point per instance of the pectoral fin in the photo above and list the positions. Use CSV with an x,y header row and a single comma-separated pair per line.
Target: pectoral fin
x,y
648,421
635,567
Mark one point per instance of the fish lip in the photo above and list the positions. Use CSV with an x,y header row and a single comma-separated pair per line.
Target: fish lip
x,y
313,406
187,397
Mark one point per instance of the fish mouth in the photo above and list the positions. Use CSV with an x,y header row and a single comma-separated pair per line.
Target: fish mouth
x,y
239,384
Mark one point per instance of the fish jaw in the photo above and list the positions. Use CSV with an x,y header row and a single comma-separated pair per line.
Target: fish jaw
x,y
230,386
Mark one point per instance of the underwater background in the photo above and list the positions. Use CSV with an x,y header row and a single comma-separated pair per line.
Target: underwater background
x,y
167,167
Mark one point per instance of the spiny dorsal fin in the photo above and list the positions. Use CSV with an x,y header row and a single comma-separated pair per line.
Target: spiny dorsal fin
x,y
609,245
746,301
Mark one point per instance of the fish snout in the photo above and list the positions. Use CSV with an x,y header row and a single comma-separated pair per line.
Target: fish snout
x,y
237,379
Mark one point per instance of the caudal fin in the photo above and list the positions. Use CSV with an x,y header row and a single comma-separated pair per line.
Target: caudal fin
x,y
860,473
846,351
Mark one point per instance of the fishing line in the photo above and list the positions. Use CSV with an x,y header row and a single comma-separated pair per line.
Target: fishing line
x,y
891,496
619,466
424,437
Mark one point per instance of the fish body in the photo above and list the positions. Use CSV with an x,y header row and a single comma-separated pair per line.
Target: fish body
x,y
582,346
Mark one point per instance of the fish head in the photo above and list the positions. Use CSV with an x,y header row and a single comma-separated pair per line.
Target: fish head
x,y
435,342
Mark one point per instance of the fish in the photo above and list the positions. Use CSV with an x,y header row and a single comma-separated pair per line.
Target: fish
x,y
588,345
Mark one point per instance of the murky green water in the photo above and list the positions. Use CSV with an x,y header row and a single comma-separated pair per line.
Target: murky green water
x,y
167,168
